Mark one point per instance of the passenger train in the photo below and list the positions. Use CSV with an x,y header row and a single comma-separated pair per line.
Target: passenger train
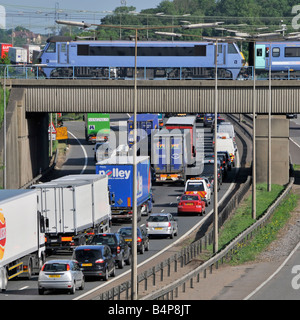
x,y
67,58
282,56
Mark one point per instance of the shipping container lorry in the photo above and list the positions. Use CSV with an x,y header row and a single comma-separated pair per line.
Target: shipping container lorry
x,y
147,125
22,235
75,206
32,51
17,55
97,127
185,123
119,171
172,155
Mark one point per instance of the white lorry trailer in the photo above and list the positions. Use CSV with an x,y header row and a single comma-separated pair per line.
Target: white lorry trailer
x,y
75,207
17,55
22,237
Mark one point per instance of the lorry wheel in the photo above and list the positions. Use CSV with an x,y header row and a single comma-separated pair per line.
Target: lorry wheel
x,y
3,279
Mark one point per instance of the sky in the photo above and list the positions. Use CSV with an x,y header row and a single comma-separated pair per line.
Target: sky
x,y
39,15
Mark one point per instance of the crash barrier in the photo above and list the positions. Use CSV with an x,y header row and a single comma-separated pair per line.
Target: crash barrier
x,y
169,291
164,270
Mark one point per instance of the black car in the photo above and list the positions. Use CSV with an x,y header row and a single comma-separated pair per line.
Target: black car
x,y
119,248
142,237
95,260
227,159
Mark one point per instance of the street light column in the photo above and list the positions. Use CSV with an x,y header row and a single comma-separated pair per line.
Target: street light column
x,y
134,204
216,236
254,141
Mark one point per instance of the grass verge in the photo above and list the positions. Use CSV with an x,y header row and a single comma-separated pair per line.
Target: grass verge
x,y
242,219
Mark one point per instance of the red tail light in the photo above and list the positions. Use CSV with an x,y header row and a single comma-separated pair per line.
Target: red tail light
x,y
68,267
99,261
139,239
43,267
118,249
169,224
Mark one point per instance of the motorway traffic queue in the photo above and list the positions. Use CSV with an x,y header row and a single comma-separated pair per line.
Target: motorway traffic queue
x,y
67,213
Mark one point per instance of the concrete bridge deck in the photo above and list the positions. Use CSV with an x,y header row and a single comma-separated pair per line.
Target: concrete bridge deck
x,y
157,96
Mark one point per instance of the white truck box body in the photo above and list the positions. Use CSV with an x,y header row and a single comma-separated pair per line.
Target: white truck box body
x,y
102,209
225,145
74,204
20,235
17,55
30,48
227,127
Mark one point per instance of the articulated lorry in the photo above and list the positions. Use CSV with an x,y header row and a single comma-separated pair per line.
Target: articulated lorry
x,y
187,124
119,171
97,127
172,155
22,235
75,206
147,125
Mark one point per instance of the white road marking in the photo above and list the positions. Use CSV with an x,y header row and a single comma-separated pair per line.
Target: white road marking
x,y
84,152
24,288
273,275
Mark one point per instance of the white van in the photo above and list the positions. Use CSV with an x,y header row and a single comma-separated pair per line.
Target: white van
x,y
227,127
198,185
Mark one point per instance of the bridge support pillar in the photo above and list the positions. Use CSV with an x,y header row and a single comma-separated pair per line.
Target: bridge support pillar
x,y
279,149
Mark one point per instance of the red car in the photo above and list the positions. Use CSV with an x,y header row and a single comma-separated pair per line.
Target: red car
x,y
191,203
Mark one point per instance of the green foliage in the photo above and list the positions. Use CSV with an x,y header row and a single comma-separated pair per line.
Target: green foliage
x,y
248,251
242,219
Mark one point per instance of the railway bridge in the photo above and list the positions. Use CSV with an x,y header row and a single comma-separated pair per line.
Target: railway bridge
x,y
38,97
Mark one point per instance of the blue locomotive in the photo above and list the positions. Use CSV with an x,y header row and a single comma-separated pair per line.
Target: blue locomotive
x,y
67,58
282,56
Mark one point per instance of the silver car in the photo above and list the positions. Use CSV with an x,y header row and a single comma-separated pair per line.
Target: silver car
x,y
162,224
60,274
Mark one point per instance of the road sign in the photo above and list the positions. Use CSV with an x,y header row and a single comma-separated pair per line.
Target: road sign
x,y
61,133
51,128
53,136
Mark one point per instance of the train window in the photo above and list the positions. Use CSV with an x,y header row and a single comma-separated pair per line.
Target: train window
x,y
232,48
220,48
259,52
200,51
275,52
52,47
292,52
83,50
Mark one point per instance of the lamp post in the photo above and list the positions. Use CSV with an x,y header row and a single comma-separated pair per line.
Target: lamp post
x,y
254,140
4,130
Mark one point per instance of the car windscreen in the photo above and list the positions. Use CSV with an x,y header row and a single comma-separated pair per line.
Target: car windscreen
x,y
55,267
157,219
195,187
127,232
187,197
87,255
101,239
